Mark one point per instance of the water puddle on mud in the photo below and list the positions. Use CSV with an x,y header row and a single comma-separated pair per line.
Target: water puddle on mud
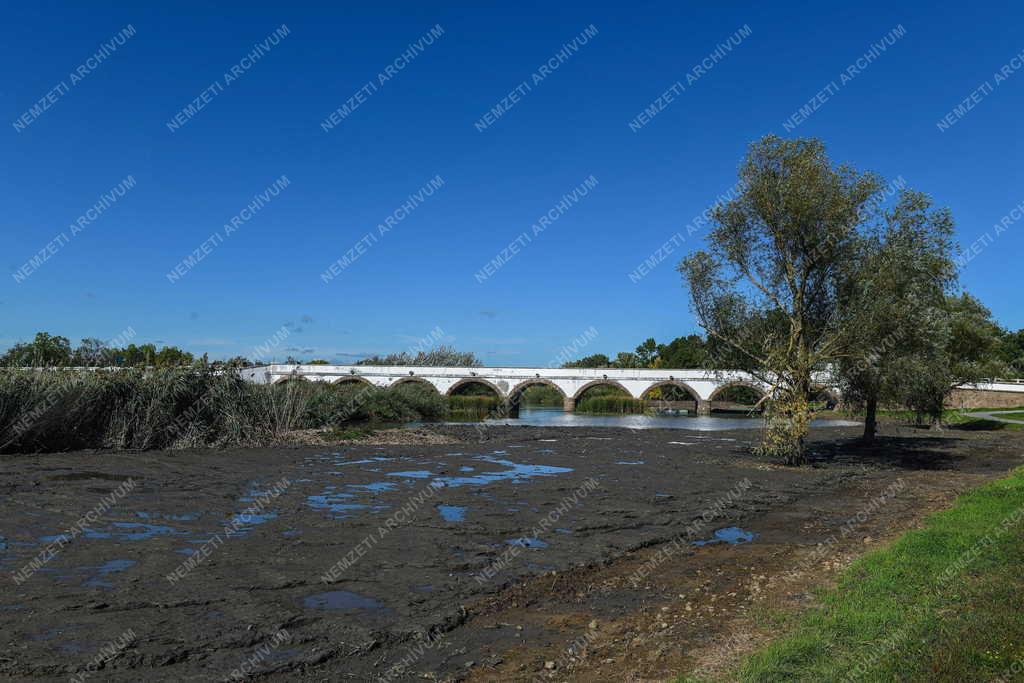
x,y
517,473
527,542
732,535
123,531
336,503
412,474
111,567
186,517
452,513
375,487
342,600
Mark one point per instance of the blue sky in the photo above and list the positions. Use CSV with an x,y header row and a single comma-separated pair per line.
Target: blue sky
x,y
419,275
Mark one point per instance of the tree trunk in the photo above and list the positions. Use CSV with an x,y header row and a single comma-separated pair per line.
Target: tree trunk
x,y
871,420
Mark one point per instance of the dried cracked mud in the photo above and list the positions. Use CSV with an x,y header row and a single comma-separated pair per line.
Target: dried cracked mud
x,y
516,553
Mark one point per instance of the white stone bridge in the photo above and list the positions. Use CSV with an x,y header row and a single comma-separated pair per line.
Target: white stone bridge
x,y
704,386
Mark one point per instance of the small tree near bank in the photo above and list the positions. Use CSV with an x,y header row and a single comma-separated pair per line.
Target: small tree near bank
x,y
966,351
894,307
768,284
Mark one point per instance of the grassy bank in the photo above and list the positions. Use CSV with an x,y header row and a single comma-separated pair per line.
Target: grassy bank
x,y
945,602
953,418
45,411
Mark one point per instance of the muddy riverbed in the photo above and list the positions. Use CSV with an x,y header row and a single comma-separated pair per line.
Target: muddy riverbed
x,y
511,553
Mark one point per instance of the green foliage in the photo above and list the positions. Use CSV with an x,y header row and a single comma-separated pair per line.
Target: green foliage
x,y
541,395
646,354
442,356
893,304
669,392
1011,352
45,350
965,349
683,352
48,350
768,286
744,395
597,360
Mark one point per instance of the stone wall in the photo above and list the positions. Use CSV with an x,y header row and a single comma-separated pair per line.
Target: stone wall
x,y
973,398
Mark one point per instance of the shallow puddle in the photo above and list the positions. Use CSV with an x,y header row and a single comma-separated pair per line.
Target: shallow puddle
x,y
452,513
131,531
342,600
516,473
336,503
375,487
528,542
412,474
111,567
185,517
731,535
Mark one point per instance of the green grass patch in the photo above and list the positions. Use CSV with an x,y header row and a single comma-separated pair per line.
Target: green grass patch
x,y
943,603
951,417
1013,416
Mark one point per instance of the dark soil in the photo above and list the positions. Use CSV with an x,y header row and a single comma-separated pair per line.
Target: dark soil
x,y
598,593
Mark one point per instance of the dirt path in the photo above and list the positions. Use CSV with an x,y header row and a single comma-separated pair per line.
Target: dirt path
x,y
436,560
998,416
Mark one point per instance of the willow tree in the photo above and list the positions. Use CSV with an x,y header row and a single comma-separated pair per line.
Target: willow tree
x,y
896,309
767,287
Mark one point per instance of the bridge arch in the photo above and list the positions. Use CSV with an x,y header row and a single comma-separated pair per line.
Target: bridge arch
x,y
600,382
717,393
415,380
515,394
829,394
284,379
694,395
467,381
353,379
516,391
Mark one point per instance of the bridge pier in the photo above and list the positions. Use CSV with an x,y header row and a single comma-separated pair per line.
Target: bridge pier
x,y
704,408
569,404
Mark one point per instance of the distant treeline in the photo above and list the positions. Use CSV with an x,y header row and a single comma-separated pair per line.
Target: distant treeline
x,y
53,351
694,351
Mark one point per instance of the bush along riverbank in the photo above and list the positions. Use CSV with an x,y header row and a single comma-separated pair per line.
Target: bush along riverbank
x,y
54,410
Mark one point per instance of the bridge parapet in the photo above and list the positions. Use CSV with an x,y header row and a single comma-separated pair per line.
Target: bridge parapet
x,y
507,382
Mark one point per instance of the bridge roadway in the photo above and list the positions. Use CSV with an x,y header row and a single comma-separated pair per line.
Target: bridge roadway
x,y
509,383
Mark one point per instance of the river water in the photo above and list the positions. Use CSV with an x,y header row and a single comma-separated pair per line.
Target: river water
x,y
555,417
